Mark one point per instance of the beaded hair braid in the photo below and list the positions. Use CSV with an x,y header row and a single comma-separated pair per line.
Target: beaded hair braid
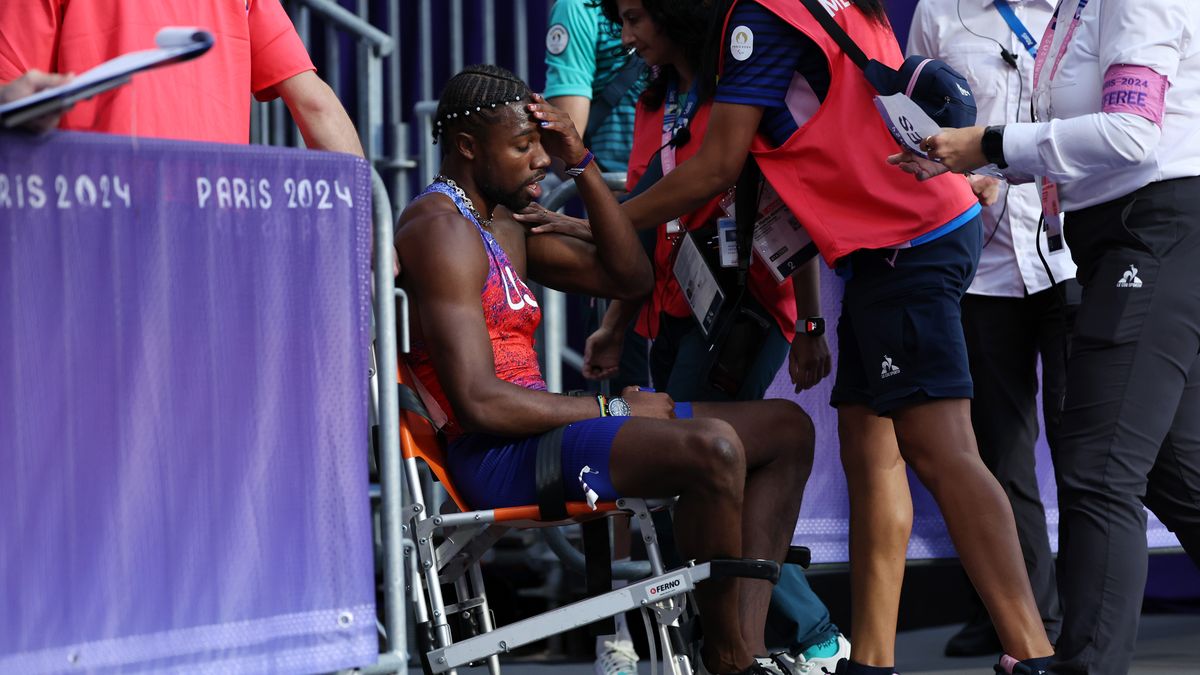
x,y
470,99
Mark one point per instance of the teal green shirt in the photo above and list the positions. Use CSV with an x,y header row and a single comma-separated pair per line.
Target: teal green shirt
x,y
583,54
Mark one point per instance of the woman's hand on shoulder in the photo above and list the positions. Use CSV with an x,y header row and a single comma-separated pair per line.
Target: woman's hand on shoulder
x,y
541,220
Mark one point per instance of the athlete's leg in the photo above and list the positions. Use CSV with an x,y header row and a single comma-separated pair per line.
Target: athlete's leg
x,y
936,439
704,463
880,523
778,440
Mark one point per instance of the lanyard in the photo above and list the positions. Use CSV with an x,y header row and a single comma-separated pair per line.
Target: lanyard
x,y
674,120
1048,39
1018,27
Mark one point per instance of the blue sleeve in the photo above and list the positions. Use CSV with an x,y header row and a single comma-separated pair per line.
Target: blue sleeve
x,y
571,49
762,52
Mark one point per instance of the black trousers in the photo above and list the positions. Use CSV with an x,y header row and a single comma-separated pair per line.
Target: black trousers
x,y
1005,336
1131,419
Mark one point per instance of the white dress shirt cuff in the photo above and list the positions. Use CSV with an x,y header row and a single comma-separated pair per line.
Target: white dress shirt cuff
x,y
1021,149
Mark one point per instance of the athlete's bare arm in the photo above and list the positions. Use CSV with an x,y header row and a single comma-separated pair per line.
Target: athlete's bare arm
x,y
445,267
613,264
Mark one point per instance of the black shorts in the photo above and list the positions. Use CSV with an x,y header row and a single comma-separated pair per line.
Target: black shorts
x,y
900,337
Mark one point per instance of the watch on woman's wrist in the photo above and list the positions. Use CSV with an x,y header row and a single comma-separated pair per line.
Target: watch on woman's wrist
x,y
993,145
813,326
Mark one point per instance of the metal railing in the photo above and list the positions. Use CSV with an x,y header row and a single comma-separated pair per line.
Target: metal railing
x,y
378,58
390,479
379,112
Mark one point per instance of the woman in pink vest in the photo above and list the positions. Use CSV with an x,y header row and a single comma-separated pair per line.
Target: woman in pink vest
x,y
792,99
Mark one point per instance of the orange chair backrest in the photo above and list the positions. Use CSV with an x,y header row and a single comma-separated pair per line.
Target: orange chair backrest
x,y
419,439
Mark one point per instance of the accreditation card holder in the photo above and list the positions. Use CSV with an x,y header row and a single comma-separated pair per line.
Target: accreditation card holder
x,y
1052,212
780,241
699,285
727,241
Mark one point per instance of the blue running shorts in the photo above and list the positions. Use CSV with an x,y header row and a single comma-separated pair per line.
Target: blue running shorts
x,y
900,337
492,472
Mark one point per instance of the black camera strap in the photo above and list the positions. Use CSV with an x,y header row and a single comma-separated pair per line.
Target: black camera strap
x,y
603,105
879,76
839,34
749,189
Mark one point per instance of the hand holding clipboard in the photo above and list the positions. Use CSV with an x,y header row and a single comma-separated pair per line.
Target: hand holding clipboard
x,y
174,45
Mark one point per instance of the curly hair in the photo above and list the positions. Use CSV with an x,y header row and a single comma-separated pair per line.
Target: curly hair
x,y
687,24
469,100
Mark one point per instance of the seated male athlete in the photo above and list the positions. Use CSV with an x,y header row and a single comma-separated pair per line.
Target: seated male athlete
x,y
738,468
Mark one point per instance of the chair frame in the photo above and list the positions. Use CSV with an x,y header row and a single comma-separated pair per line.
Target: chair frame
x,y
467,535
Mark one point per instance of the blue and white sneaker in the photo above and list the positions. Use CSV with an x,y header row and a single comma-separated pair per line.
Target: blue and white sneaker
x,y
615,656
818,659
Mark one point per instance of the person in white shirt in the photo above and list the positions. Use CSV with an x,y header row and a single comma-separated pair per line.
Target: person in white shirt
x,y
1016,308
1117,90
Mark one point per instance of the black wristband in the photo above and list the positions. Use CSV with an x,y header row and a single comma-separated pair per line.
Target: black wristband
x,y
993,145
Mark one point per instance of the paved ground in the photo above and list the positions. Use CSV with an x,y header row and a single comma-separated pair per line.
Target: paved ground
x,y
1168,645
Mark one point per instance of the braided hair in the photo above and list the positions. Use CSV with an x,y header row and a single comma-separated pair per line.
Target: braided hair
x,y
469,101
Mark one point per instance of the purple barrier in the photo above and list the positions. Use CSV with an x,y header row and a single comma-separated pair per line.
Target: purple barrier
x,y
824,516
183,408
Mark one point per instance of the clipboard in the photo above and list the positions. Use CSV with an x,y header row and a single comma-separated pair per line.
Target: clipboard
x,y
174,45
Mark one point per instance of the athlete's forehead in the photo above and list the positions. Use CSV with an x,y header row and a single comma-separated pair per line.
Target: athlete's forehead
x,y
514,122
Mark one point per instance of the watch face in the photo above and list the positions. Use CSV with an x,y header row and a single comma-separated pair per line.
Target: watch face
x,y
814,326
617,407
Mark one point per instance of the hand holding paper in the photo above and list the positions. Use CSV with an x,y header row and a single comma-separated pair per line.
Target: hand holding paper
x,y
174,45
30,83
930,150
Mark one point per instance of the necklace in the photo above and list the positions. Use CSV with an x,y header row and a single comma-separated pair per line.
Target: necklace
x,y
485,222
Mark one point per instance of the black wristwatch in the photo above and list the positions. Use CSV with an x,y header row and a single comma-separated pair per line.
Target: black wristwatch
x,y
617,407
993,145
813,326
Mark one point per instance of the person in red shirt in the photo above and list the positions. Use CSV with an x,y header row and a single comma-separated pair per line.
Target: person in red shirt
x,y
256,51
